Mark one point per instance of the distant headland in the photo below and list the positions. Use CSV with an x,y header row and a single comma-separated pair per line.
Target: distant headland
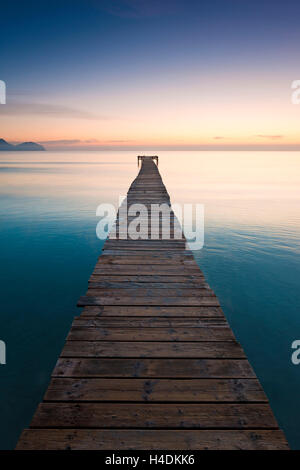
x,y
25,146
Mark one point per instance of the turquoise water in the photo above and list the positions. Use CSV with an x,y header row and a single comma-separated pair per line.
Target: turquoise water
x,y
48,248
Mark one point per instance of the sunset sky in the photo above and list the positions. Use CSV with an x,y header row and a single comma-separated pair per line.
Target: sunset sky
x,y
151,74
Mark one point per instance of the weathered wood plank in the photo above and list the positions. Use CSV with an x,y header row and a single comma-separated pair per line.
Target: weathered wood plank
x,y
147,244
153,310
213,349
153,368
155,390
154,292
82,333
142,254
148,322
147,301
193,279
160,270
191,285
129,415
96,439
152,260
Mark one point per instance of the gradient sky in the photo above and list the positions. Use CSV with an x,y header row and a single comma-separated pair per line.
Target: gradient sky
x,y
151,74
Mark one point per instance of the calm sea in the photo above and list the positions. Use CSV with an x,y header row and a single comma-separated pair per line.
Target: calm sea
x,y
49,247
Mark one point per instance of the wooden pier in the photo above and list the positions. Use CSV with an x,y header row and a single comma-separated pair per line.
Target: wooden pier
x,y
151,362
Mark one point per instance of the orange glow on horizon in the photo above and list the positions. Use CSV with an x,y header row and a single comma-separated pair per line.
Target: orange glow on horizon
x,y
241,113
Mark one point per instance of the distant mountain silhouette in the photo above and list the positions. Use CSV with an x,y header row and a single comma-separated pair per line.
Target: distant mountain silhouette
x,y
5,145
25,146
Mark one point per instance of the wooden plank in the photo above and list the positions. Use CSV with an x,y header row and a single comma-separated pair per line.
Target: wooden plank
x,y
102,284
213,349
169,229
155,390
145,260
170,254
153,292
147,244
148,322
129,415
169,270
194,279
151,311
153,368
153,233
96,439
148,301
82,333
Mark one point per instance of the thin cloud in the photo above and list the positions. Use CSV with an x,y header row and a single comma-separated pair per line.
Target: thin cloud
x,y
90,141
48,110
272,137
82,141
117,141
219,137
